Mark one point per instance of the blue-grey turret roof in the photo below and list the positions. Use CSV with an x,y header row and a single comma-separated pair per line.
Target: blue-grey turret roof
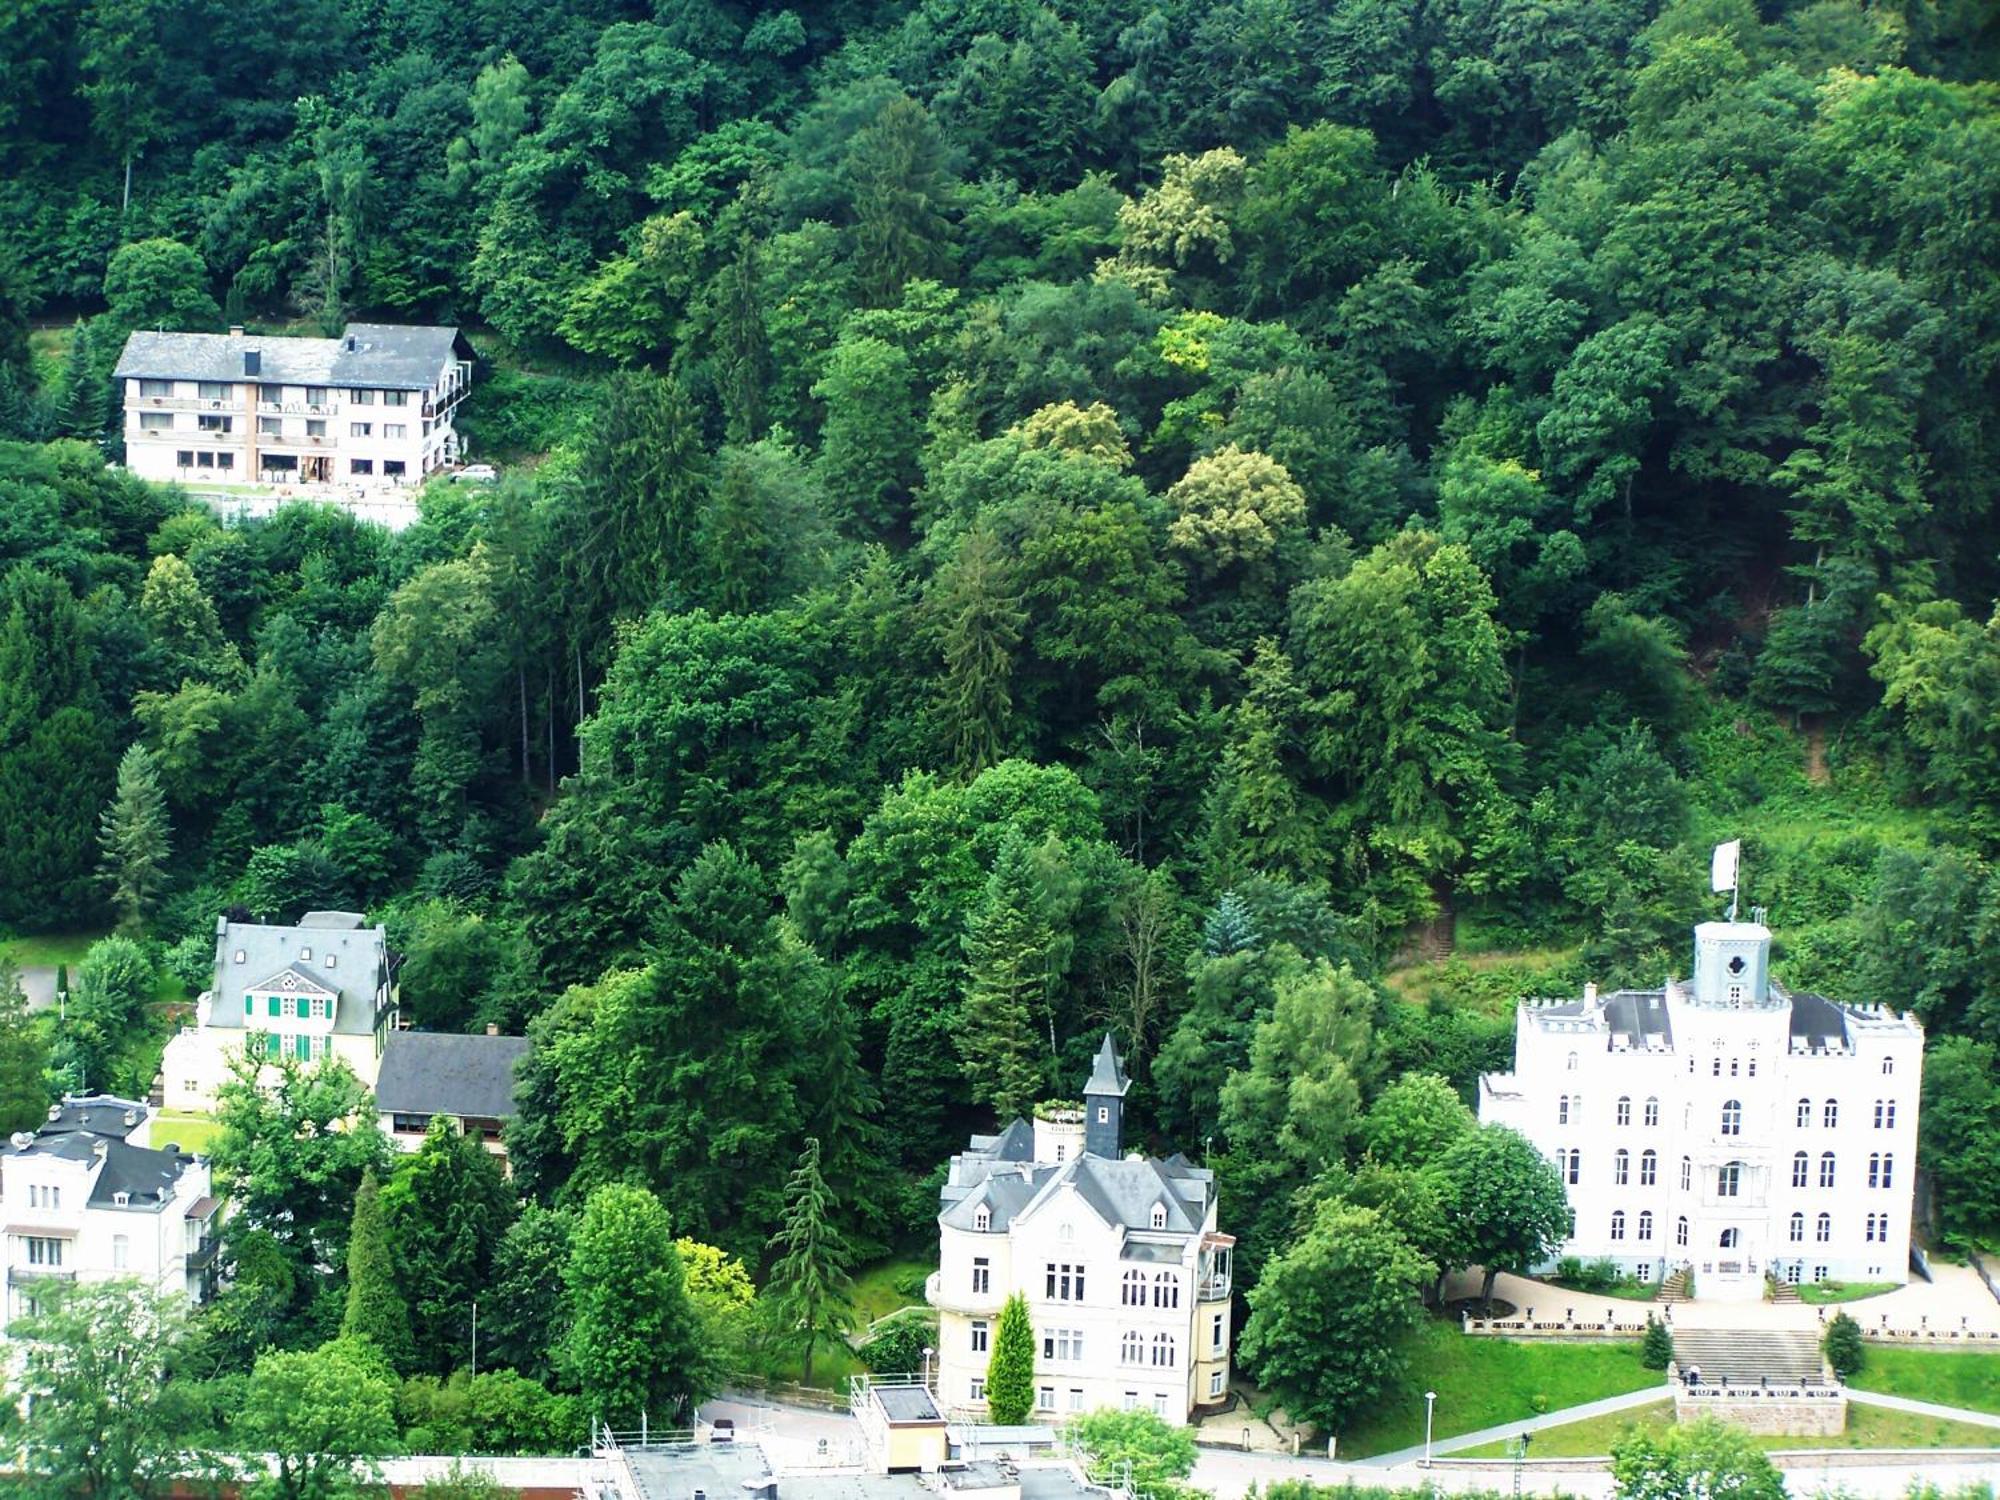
x,y
1107,1074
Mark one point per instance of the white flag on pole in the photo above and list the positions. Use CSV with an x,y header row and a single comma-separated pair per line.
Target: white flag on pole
x,y
1722,868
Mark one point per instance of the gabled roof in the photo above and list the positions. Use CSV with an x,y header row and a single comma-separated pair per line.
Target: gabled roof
x,y
361,962
1107,1074
389,356
147,1176
1015,1143
293,979
104,1115
1123,1193
443,1073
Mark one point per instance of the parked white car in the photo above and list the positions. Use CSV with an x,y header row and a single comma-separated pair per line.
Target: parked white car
x,y
477,474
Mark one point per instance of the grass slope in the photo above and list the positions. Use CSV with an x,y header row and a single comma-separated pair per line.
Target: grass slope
x,y
1481,1382
1950,1377
1867,1427
48,948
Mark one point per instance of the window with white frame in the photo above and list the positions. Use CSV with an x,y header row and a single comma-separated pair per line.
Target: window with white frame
x,y
1618,1224
982,1276
1624,1109
1652,1112
395,431
1732,1117
1163,1351
156,421
1166,1290
975,1388
1062,1344
1649,1168
1075,1399
1805,1113
1830,1116
1572,1062
1823,1228
1045,1398
44,1250
982,1335
1687,1174
1159,1403
1645,1225
1681,1231
1885,1114
1621,1167
1132,1290
1801,1169
1888,1065
121,1252
1798,1228
1130,1401
982,1218
156,387
1132,1347
1575,1169
1729,1180
1826,1165
1218,1382
1217,1332
1562,1110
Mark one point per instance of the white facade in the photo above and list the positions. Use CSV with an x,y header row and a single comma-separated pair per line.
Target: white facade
x,y
1126,1277
373,407
1723,1123
82,1201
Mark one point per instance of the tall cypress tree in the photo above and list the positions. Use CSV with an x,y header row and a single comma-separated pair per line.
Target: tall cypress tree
x,y
1010,1372
1006,971
376,1310
133,838
809,1291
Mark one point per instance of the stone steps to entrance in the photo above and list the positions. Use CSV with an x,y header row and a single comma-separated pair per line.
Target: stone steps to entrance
x,y
1745,1357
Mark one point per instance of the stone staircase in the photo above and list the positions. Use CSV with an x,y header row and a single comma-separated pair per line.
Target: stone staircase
x,y
1744,1357
1783,1292
1674,1288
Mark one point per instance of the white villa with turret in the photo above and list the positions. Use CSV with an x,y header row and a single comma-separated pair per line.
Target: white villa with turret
x,y
1724,1123
1125,1273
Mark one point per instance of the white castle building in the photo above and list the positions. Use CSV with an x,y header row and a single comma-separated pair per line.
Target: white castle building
x,y
1723,1123
1126,1277
373,406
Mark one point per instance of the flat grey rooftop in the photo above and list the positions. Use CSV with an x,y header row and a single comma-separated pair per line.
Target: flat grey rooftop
x,y
907,1403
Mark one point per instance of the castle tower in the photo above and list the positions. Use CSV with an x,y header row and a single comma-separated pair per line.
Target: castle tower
x,y
1104,1103
1732,965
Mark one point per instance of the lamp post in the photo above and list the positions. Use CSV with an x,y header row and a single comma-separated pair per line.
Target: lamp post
x,y
928,1352
1430,1406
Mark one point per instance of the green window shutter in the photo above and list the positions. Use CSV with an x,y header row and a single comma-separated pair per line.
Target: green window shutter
x,y
302,1046
249,1004
277,1006
305,1008
270,1044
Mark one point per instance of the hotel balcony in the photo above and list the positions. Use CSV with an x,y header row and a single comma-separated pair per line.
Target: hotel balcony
x,y
966,1301
36,1275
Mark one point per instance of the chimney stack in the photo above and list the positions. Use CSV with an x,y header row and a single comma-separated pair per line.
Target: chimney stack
x,y
236,330
493,1028
1590,994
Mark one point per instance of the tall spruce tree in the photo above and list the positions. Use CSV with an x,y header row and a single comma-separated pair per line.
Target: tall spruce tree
x,y
82,411
450,1207
376,1310
979,623
809,1293
1006,942
1010,1371
133,837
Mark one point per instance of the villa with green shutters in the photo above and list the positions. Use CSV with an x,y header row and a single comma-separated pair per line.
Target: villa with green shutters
x,y
326,987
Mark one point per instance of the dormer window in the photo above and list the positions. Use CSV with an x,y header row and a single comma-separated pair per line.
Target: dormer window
x,y
329,960
1159,1216
982,1218
120,1200
306,955
239,955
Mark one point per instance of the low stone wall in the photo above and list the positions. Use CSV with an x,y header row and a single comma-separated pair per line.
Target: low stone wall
x,y
1554,1328
1769,1411
1882,1333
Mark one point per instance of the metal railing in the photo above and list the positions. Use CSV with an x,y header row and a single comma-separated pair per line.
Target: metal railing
x,y
27,1275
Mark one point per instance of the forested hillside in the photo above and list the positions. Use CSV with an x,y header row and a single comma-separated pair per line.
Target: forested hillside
x,y
1040,518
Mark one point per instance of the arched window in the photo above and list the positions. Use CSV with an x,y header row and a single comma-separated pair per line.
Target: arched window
x,y
1729,1180
1732,1117
1798,1228
1562,1110
1888,1169
1618,1224
1875,1171
1830,1116
1572,1062
1885,1114
1751,1066
1801,1168
1645,1225
1649,1168
1805,1113
1888,1065
1826,1169
1728,1240
1132,1348
1624,1109
1575,1167
1621,1167
1687,1174
1652,1112
1163,1351
1823,1229
1166,1290
1066,1234
1681,1231
982,1218
1133,1291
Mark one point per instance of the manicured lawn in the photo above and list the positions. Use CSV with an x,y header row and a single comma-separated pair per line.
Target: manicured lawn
x,y
887,1285
1867,1427
190,1132
1842,1291
1484,1381
48,948
1950,1377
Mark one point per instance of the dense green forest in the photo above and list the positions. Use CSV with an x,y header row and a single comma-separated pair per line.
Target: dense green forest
x,y
1139,514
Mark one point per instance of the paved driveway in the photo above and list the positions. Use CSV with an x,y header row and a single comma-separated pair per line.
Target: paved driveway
x,y
38,982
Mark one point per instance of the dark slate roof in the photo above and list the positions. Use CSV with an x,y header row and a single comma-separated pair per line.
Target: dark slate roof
x,y
907,1404
94,1114
443,1073
1640,1016
147,1175
1015,1143
1005,1194
1107,1074
360,957
384,355
1818,1022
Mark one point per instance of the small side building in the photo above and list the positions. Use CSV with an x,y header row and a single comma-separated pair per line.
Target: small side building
x,y
467,1079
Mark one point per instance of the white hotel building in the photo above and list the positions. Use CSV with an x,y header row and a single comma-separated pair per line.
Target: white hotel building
x,y
1126,1278
374,406
1723,1123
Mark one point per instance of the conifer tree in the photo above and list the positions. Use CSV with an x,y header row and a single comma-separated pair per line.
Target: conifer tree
x,y
376,1309
980,619
1844,1349
82,412
1005,945
1010,1372
23,1056
809,1292
133,837
1656,1349
1230,928
743,350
